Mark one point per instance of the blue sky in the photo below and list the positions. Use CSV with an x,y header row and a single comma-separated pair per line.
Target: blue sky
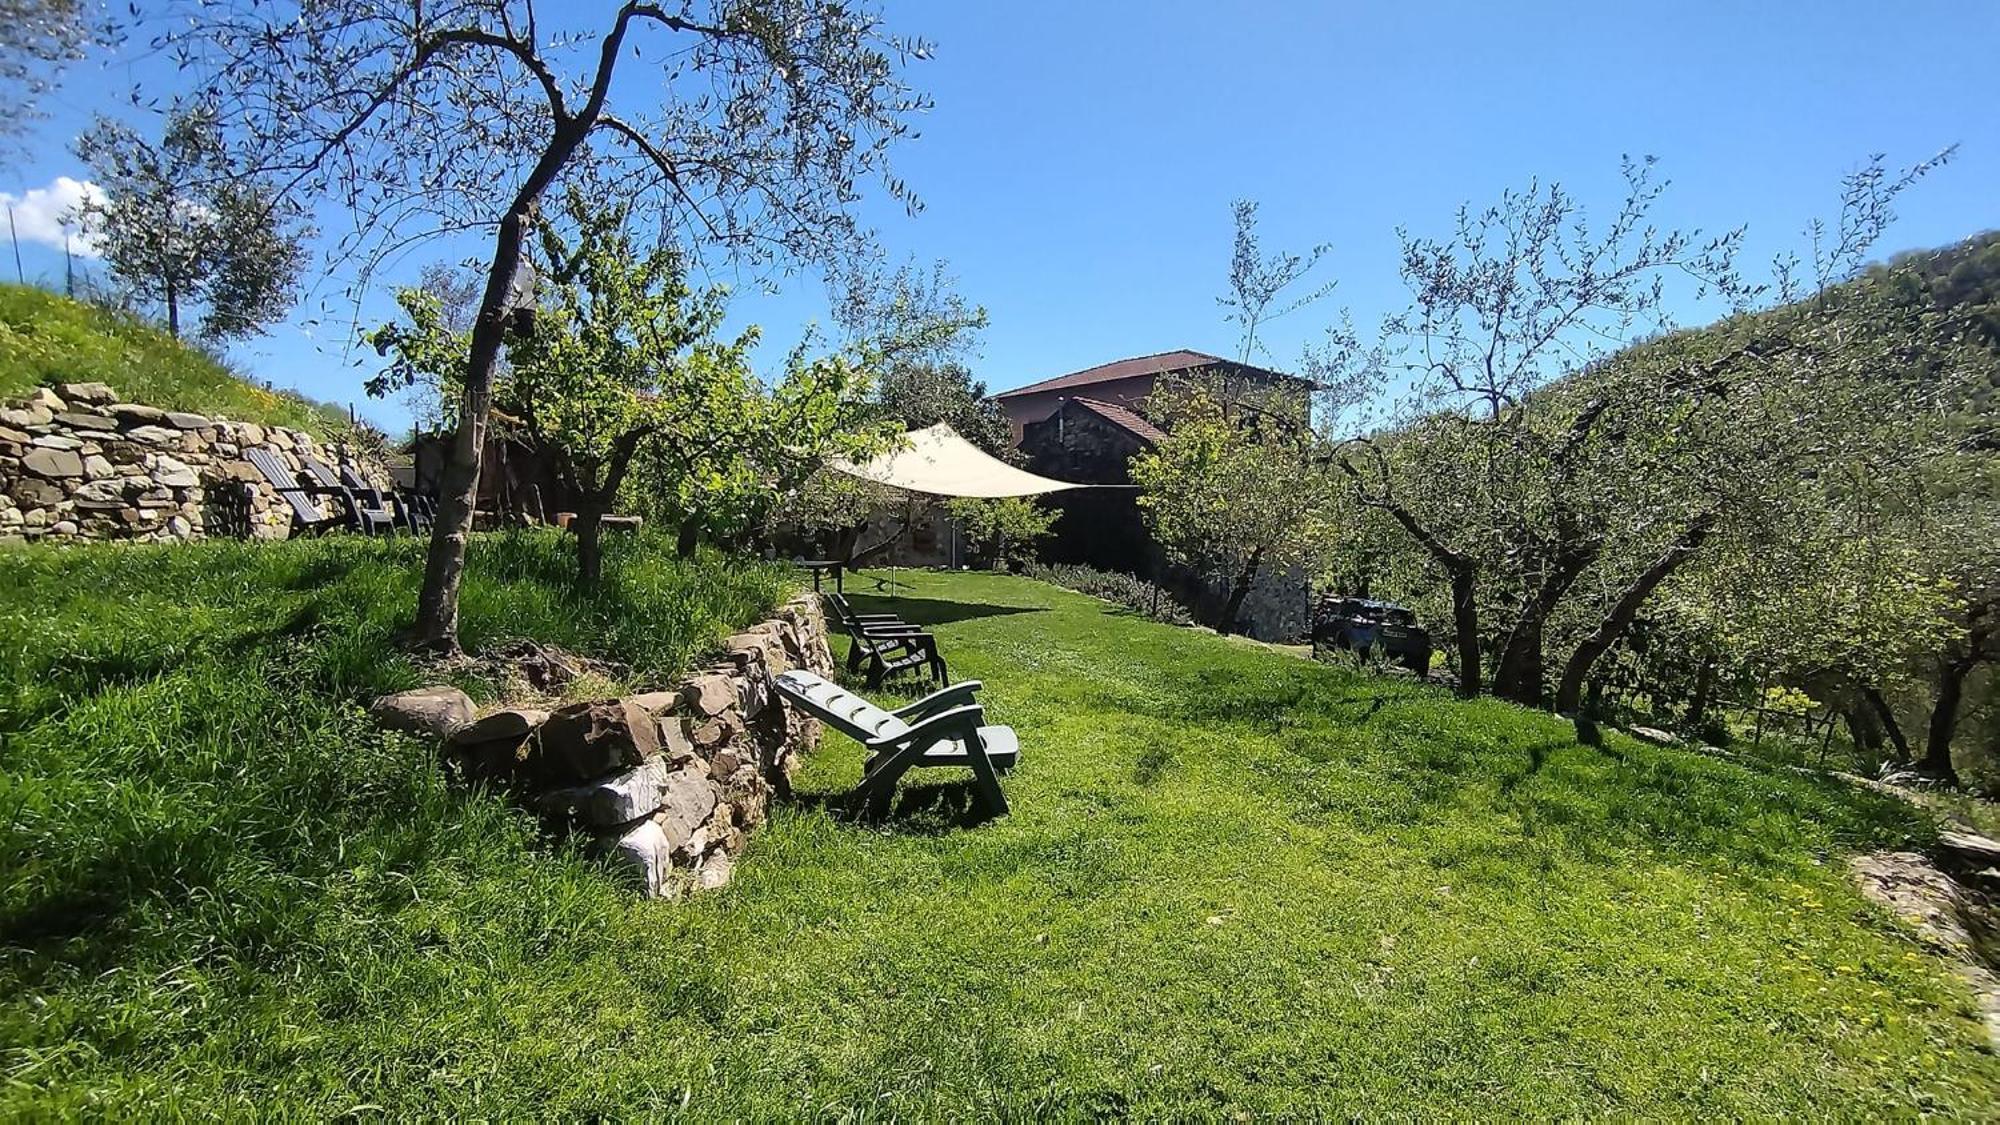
x,y
1079,164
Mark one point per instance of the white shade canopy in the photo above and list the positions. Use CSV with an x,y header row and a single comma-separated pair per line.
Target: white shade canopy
x,y
939,462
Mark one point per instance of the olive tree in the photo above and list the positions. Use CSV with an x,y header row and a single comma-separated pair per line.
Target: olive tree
x,y
748,126
1544,468
37,37
180,225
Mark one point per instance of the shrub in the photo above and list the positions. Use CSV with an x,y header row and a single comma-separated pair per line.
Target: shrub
x,y
1117,587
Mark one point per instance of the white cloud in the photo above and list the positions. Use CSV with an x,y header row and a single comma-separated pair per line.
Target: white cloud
x,y
39,214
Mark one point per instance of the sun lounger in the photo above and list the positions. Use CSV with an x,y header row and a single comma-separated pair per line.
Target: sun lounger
x,y
887,645
946,728
307,517
368,511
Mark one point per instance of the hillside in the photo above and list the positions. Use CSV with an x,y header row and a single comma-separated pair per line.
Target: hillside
x,y
47,339
1233,883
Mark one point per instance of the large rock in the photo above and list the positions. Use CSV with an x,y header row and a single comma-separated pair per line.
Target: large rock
x,y
709,695
587,740
94,393
502,745
716,871
510,724
685,804
57,441
32,414
53,464
136,414
86,422
643,850
170,473
435,711
618,799
96,467
32,493
155,435
181,421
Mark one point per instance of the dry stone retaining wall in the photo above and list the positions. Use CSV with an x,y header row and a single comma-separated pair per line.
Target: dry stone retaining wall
x,y
76,463
670,782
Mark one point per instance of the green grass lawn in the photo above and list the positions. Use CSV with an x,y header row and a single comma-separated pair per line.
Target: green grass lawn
x,y
1233,880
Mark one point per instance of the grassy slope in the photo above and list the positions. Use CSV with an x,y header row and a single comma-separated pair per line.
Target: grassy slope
x,y
47,339
1231,882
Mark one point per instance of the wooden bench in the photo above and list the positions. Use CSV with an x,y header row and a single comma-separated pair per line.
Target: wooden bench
x,y
946,728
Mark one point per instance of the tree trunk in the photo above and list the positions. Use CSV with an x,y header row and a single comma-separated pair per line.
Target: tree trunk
x,y
1465,627
1862,727
689,537
1889,724
1570,691
173,311
458,489
1936,761
1704,688
588,525
1522,673
1245,578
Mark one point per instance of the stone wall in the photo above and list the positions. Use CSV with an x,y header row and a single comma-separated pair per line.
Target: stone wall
x,y
670,782
76,463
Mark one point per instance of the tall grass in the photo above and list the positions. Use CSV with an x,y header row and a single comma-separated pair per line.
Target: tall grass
x,y
196,815
46,339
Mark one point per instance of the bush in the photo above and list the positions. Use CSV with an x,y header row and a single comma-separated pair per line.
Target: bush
x,y
1117,587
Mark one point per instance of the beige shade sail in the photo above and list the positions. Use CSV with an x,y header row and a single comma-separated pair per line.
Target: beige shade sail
x,y
938,461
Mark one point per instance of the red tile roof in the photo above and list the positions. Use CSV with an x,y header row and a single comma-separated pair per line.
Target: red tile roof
x,y
1180,360
1124,419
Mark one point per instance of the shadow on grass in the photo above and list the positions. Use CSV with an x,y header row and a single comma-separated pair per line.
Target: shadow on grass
x,y
923,808
932,611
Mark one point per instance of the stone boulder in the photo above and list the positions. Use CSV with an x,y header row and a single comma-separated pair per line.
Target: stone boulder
x,y
643,850
86,422
154,435
618,799
53,464
685,804
709,696
501,744
97,394
171,473
436,711
587,740
137,414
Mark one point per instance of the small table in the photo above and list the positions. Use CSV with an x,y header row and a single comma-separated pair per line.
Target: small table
x,y
824,566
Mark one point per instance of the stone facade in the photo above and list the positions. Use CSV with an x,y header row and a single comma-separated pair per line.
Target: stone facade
x,y
76,463
670,783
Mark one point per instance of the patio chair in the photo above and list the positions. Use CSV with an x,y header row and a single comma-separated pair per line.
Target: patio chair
x,y
886,645
307,516
368,511
946,728
414,513
419,509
